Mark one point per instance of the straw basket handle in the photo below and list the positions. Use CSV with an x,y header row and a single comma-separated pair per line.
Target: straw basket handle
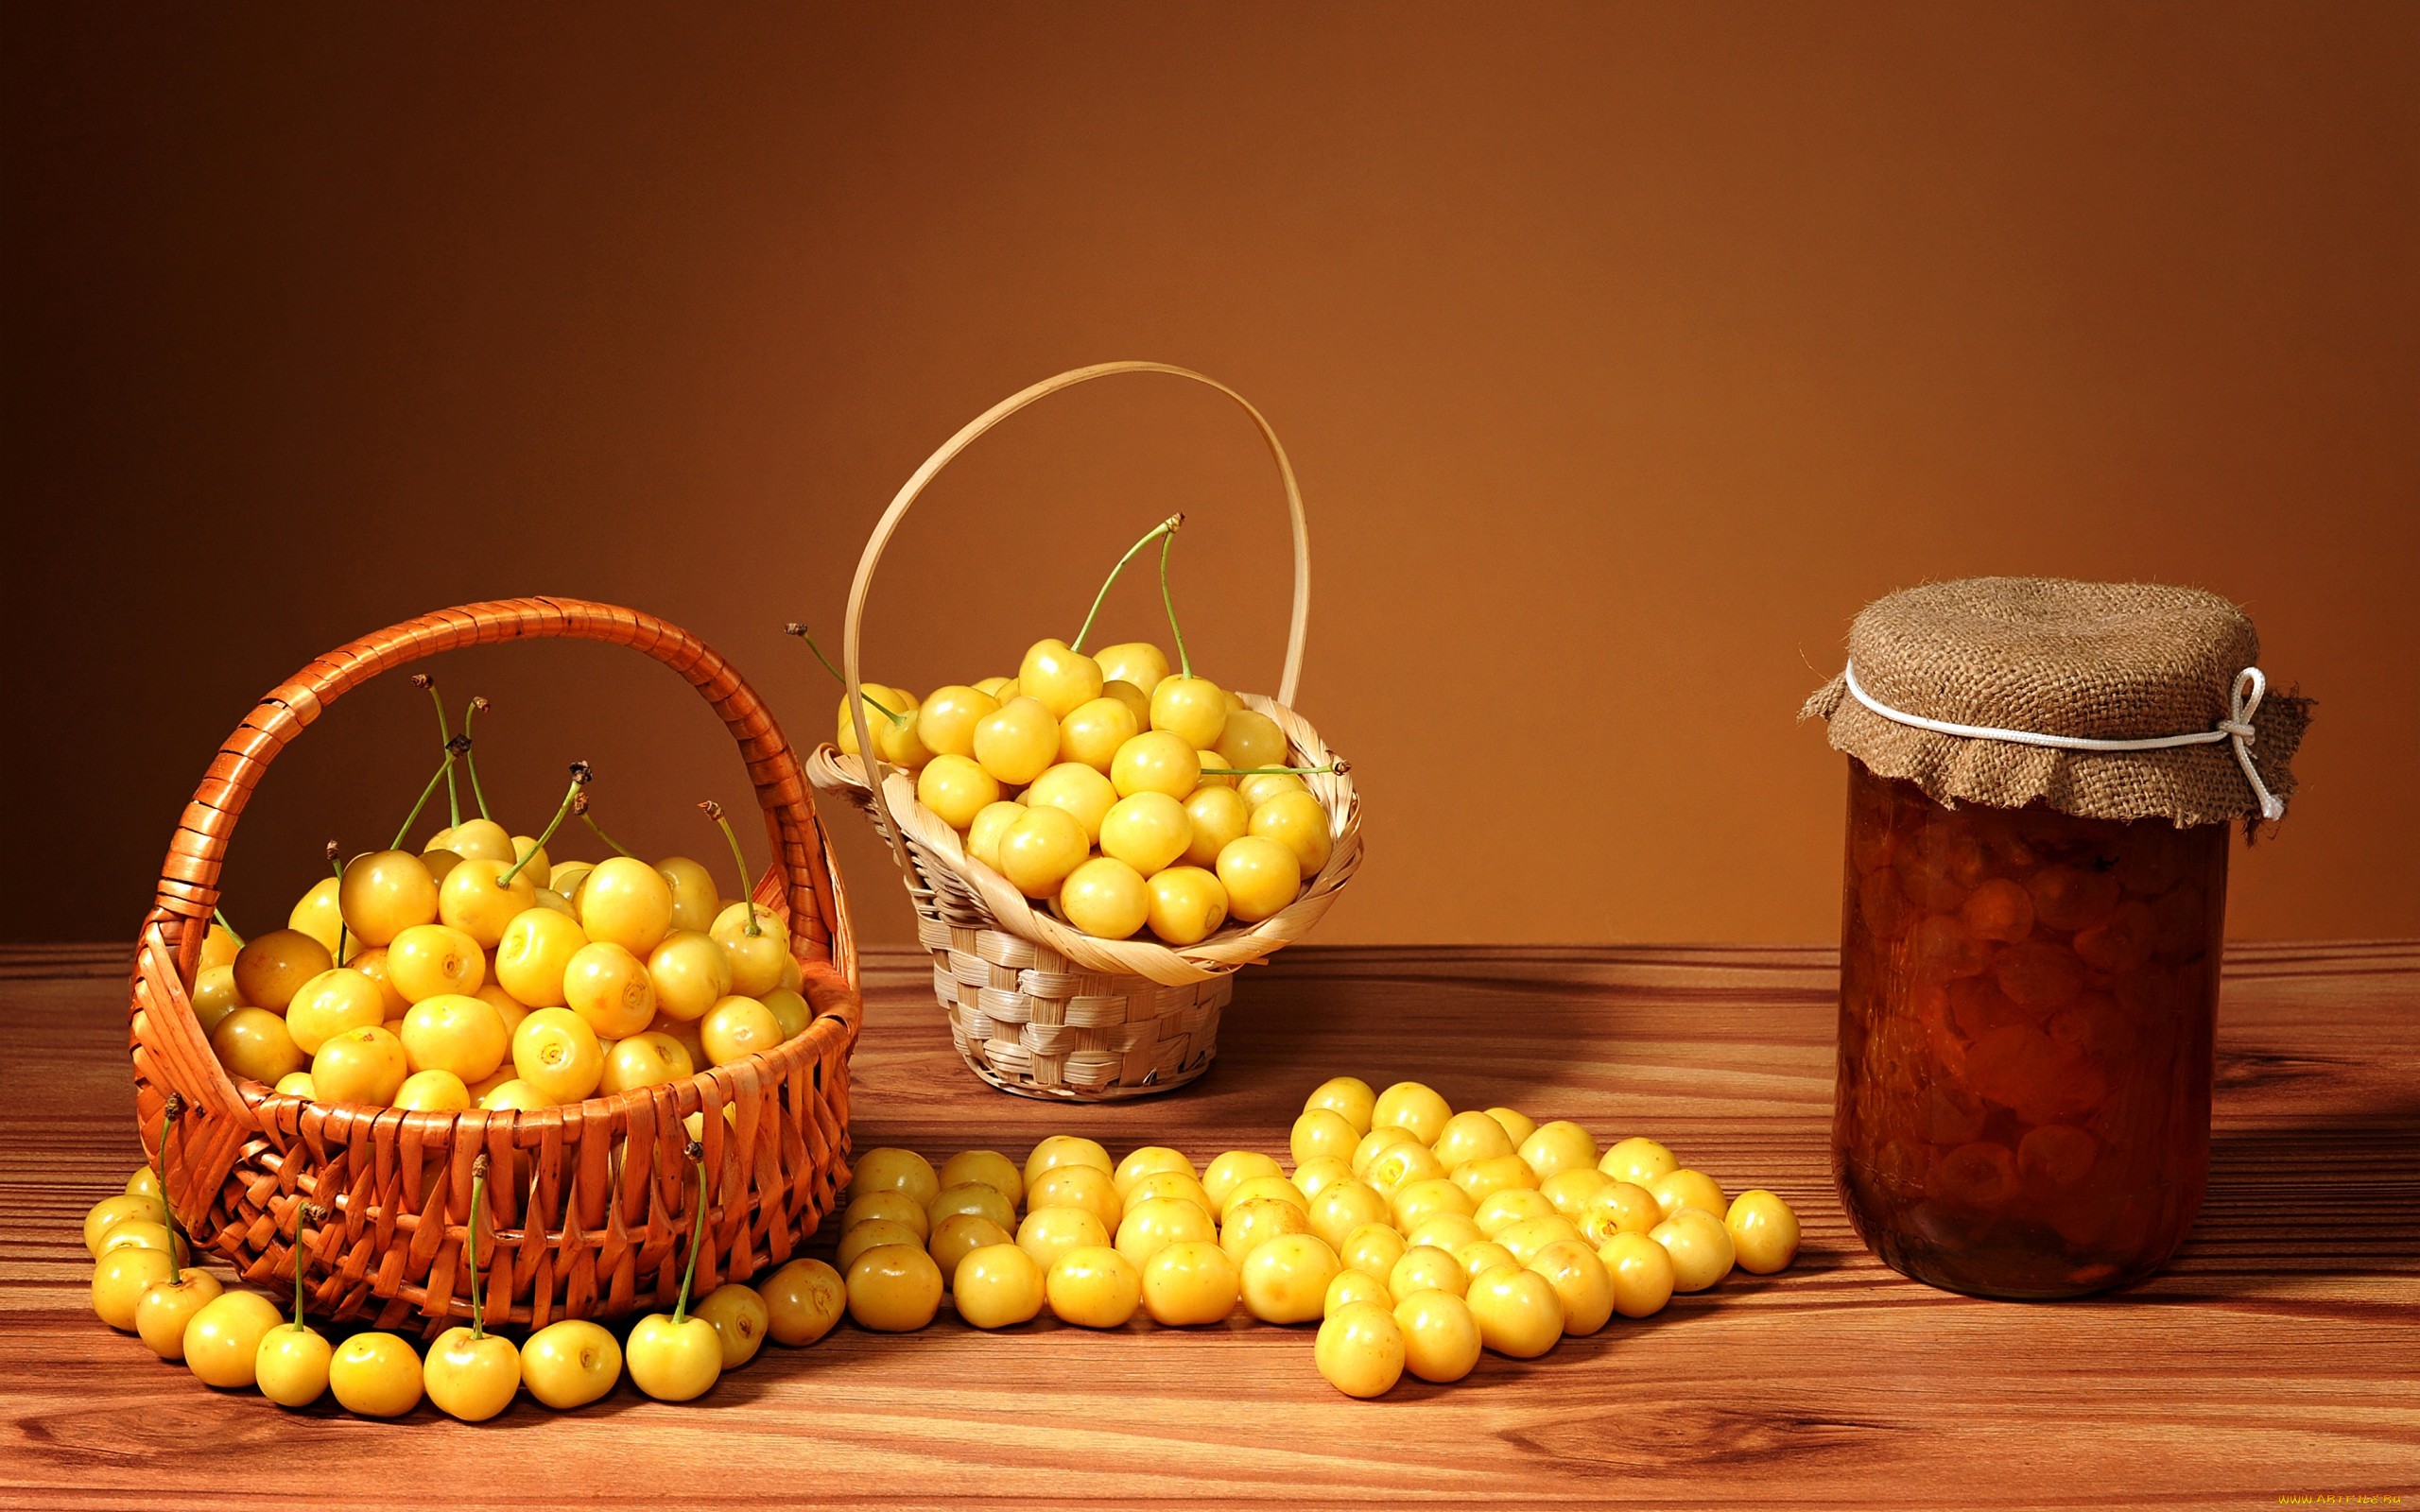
x,y
188,890
959,442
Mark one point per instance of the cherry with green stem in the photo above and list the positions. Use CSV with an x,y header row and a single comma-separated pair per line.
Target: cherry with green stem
x,y
336,868
581,775
1338,766
898,721
169,1113
220,916
445,769
696,1151
580,806
748,894
445,742
1167,528
471,761
470,1243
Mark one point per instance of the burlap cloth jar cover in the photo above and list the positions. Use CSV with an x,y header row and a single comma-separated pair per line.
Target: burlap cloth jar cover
x,y
2077,661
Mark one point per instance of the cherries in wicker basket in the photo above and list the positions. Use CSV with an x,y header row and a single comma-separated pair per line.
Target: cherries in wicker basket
x,y
478,970
1129,795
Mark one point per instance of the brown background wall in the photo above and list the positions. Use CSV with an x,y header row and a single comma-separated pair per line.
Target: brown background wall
x,y
1624,352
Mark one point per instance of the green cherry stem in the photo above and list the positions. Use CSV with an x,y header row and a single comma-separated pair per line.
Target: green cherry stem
x,y
1166,528
580,777
445,741
220,915
444,769
697,1154
580,806
470,1243
1167,600
738,859
1338,765
302,1210
168,1113
470,759
794,627
337,868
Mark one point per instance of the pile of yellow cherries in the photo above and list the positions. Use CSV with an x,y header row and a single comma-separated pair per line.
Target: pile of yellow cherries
x,y
1415,1236
1127,796
480,973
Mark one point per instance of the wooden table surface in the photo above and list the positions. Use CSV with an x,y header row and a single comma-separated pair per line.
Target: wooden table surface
x,y
2275,1359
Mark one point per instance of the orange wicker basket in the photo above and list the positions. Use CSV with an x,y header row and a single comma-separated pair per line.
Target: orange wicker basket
x,y
589,1205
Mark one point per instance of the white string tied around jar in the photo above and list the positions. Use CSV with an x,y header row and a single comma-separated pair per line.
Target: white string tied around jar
x,y
2243,701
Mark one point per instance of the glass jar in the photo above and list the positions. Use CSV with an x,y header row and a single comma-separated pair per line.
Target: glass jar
x,y
2027,1000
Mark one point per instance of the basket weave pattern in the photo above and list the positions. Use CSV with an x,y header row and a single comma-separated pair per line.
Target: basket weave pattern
x,y
589,1207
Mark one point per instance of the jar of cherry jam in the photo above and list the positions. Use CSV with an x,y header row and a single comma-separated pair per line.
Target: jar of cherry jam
x,y
2042,775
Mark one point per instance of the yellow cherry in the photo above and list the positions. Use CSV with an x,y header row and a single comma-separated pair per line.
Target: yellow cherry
x,y
1250,1224
1321,1131
1351,1287
1640,1161
1448,1232
696,900
1426,1268
1286,1279
881,702
992,1169
512,1096
1139,665
1360,1351
1617,1208
273,966
223,1341
1156,762
1147,1227
674,1358
1764,1231
108,1212
737,1028
994,685
1092,733
790,1011
997,1286
1138,702
1149,1160
894,1289
365,1065
1261,786
165,1307
537,947
1261,876
441,862
873,1233
571,1363
1517,1124
1017,742
1061,679
1700,1247
554,902
255,1044
1471,1136
609,988
317,914
1684,1188
1192,709
1186,906
983,836
1321,1171
1642,1274
1050,1232
1218,817
122,1275
1189,1284
220,946
759,961
476,900
1148,831
214,995
1412,1107
482,840
956,788
1086,1187
1041,848
462,1035
888,1204
472,1377
1517,1311
1560,1146
959,1235
1231,1169
1581,1283
292,1364
978,1199
563,879
432,1091
945,721
372,963
740,1319
626,902
886,1168
1416,1202
802,1300
143,1233
1296,822
1105,897
1570,1190
334,1001
1400,1164
1373,1247
384,893
1085,794
898,741
1162,1185
558,1055
1440,1338
644,1060
1267,1189
428,959
1251,739
1481,1179
1480,1258
1093,1286
1348,1096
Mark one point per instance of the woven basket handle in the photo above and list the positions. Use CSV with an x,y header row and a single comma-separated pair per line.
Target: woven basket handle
x,y
189,878
959,442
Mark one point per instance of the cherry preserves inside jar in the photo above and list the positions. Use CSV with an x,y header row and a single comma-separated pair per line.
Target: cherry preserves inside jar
x,y
2026,1000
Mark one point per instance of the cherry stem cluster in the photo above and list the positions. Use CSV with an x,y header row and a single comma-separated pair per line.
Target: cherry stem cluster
x,y
696,1157
580,806
747,893
471,1243
445,770
1166,528
580,774
445,741
469,761
898,721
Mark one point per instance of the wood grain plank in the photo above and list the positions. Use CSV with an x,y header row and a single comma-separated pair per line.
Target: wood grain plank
x,y
2276,1357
